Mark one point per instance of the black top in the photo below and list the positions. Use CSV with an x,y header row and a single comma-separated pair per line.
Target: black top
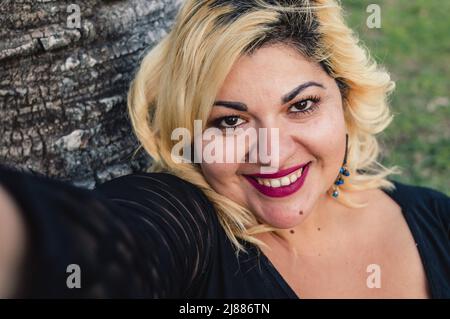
x,y
155,235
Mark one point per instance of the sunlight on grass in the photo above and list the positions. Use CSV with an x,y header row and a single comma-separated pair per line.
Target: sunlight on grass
x,y
413,43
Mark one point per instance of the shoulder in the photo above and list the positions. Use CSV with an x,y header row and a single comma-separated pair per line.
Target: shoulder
x,y
143,177
420,195
425,201
143,182
160,191
172,222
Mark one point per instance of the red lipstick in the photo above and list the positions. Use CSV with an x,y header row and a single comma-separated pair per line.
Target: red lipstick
x,y
281,191
278,174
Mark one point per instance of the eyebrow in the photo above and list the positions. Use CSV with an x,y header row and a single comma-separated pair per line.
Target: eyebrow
x,y
284,99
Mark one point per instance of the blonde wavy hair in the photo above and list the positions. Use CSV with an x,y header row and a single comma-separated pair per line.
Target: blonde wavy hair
x,y
179,78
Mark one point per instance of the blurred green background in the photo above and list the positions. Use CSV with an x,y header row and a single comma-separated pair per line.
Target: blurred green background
x,y
414,45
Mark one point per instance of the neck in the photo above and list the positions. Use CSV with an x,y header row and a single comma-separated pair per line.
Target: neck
x,y
319,231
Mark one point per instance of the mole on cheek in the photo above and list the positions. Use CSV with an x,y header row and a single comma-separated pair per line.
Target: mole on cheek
x,y
292,231
301,212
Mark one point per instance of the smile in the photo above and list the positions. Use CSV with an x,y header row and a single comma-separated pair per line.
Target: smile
x,y
282,183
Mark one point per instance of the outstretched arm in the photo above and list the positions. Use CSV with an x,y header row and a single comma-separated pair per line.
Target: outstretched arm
x,y
142,235
12,244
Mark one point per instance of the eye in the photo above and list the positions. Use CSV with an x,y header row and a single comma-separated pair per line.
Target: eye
x,y
231,121
305,106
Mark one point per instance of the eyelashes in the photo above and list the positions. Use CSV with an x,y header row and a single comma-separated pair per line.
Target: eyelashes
x,y
306,106
221,122
298,109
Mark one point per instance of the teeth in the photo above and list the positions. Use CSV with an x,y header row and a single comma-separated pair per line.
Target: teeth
x,y
293,178
283,181
275,183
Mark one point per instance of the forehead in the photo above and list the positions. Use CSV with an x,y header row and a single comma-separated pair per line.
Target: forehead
x,y
272,66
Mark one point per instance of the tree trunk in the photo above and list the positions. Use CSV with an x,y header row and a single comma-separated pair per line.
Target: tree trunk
x,y
65,68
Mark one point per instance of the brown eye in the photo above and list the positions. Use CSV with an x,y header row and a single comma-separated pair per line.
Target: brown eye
x,y
307,105
302,106
230,121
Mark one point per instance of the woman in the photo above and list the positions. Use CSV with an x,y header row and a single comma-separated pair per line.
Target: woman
x,y
320,219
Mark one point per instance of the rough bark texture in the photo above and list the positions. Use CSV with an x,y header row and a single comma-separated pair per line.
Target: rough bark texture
x,y
63,86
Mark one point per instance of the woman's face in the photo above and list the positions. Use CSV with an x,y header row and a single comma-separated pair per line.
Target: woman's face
x,y
262,87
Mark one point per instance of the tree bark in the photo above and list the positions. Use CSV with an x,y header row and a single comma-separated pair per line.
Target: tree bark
x,y
63,84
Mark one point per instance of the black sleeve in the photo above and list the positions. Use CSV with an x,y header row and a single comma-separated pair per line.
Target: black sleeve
x,y
141,235
439,203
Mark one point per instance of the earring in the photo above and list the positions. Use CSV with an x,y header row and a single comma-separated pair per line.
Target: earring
x,y
343,172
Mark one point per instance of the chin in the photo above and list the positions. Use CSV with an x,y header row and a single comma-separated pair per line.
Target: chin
x,y
280,218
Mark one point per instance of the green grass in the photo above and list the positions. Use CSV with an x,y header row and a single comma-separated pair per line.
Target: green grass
x,y
413,43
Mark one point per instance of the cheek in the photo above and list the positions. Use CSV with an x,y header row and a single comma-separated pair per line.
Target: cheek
x,y
323,138
219,175
323,135
224,179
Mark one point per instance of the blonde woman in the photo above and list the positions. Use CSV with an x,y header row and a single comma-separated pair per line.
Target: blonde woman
x,y
322,219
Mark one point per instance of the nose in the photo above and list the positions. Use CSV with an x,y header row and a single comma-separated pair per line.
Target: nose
x,y
276,145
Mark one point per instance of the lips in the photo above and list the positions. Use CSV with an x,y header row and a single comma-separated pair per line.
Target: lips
x,y
279,173
281,183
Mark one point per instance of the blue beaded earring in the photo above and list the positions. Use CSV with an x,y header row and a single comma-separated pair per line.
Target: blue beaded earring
x,y
343,172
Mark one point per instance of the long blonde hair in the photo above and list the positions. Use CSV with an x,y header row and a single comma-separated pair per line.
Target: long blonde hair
x,y
179,78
